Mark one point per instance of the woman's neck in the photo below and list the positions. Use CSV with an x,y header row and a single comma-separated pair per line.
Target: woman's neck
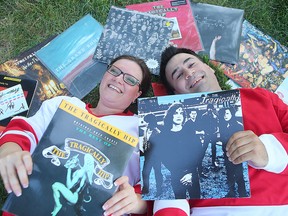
x,y
176,128
101,110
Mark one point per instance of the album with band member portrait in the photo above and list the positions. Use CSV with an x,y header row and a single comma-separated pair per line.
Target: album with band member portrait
x,y
75,165
183,142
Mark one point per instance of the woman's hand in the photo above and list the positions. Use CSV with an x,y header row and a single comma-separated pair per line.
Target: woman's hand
x,y
15,166
125,200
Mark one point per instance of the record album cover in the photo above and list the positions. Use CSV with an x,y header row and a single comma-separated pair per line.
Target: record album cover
x,y
74,170
263,61
27,66
69,56
220,30
28,87
185,32
183,142
134,33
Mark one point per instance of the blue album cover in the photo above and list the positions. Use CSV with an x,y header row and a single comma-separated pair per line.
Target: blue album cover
x,y
69,56
183,140
134,33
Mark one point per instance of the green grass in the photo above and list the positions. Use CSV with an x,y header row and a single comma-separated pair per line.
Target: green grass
x,y
25,23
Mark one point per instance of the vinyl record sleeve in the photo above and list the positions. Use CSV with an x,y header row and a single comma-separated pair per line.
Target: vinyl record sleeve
x,y
220,29
75,165
185,32
27,66
128,32
177,153
69,56
263,61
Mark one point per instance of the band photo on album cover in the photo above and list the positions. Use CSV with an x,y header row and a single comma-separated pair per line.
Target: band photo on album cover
x,y
182,139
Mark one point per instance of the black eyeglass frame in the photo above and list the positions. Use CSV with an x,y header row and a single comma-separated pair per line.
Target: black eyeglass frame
x,y
137,82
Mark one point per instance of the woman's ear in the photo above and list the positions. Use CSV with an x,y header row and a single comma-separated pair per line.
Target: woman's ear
x,y
137,96
139,93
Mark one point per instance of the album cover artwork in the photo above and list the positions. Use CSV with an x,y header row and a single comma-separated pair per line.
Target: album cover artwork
x,y
134,33
74,171
183,140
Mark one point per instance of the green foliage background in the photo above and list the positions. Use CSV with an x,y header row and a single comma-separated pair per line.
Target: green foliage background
x,y
25,23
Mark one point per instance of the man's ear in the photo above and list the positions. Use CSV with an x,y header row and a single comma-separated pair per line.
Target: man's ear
x,y
213,71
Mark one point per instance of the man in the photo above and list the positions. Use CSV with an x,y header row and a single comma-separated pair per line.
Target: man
x,y
193,115
211,131
263,143
195,123
184,178
150,152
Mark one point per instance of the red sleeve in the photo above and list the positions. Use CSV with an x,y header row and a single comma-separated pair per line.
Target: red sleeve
x,y
18,131
265,113
7,214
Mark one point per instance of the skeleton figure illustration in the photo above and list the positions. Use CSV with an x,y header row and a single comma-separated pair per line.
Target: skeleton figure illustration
x,y
76,182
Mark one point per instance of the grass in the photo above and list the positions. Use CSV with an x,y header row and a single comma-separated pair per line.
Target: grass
x,y
25,23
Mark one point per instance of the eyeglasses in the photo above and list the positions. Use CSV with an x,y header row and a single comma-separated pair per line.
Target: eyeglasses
x,y
128,78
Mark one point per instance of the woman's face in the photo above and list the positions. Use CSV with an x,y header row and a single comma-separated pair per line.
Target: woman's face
x,y
114,92
178,116
227,115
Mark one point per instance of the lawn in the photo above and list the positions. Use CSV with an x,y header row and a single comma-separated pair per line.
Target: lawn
x,y
25,23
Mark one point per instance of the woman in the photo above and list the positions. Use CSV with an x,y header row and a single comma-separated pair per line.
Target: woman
x,y
184,176
174,146
125,80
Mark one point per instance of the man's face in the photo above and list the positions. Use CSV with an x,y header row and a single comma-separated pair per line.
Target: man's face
x,y
187,74
193,114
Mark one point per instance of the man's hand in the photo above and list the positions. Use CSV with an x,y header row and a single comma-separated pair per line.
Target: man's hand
x,y
246,146
125,200
15,166
186,179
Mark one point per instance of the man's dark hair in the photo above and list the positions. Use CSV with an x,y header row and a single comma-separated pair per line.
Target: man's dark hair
x,y
171,51
167,54
151,120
